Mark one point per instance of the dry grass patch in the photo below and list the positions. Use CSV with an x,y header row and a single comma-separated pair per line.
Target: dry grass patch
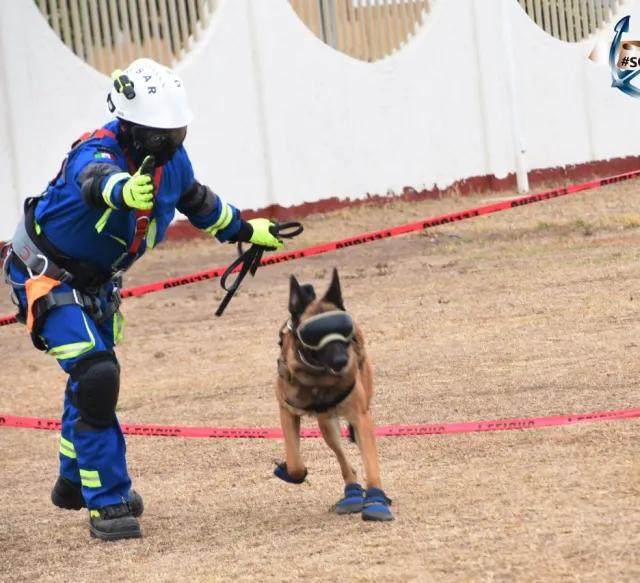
x,y
490,318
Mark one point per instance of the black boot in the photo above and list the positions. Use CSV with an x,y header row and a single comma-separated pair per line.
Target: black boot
x,y
68,496
113,523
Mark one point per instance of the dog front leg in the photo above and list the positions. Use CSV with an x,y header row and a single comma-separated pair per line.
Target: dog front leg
x,y
293,469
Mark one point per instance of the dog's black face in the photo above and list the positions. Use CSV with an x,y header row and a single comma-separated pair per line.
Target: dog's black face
x,y
323,329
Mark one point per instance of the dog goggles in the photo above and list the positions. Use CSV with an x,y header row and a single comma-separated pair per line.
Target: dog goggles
x,y
316,332
155,140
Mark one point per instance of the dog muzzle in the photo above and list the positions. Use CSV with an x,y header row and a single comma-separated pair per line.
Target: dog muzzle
x,y
318,331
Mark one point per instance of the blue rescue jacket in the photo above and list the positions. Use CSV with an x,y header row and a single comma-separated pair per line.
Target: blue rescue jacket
x,y
101,236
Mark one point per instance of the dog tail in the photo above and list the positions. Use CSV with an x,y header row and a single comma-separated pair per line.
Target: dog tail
x,y
352,434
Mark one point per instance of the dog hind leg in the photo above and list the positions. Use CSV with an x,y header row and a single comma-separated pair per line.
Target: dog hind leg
x,y
330,428
376,506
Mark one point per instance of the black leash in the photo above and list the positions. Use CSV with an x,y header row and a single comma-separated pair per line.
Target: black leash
x,y
250,260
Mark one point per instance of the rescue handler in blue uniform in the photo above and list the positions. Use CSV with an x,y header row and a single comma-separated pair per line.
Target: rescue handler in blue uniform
x,y
113,199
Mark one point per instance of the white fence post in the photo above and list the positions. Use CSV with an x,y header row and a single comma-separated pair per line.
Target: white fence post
x,y
260,100
10,194
516,128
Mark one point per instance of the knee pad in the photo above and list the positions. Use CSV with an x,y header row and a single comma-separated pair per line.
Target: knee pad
x,y
96,396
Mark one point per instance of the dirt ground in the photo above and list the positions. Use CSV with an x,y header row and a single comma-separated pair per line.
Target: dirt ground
x,y
528,312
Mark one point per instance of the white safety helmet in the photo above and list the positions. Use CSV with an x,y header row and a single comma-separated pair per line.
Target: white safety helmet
x,y
152,96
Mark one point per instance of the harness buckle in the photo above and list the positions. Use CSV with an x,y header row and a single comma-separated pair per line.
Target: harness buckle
x,y
65,277
117,277
118,262
77,296
116,299
142,219
116,294
89,302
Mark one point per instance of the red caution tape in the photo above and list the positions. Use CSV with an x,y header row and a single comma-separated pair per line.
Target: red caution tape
x,y
389,431
373,236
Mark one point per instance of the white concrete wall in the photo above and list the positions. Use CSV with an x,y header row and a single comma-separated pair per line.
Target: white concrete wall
x,y
282,118
50,98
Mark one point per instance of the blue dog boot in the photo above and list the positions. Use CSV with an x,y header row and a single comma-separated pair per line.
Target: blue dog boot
x,y
376,506
353,501
282,473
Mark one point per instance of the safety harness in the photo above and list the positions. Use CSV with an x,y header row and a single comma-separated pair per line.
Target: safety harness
x,y
35,256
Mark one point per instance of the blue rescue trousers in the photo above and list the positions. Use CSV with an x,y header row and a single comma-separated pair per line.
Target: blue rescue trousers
x,y
95,458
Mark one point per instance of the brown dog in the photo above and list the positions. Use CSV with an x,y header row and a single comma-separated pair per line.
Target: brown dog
x,y
324,372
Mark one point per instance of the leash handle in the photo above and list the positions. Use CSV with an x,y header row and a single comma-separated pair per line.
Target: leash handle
x,y
249,261
281,231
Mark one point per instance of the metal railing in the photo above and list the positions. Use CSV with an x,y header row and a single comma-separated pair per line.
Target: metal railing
x,y
108,34
368,30
571,20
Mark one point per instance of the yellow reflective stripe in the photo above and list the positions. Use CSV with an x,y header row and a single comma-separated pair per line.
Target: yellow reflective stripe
x,y
107,191
90,478
67,351
90,474
67,448
67,452
93,513
224,219
118,327
74,349
38,228
122,241
103,220
66,443
152,232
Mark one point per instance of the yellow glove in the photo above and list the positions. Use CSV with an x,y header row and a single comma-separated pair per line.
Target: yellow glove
x,y
138,191
262,234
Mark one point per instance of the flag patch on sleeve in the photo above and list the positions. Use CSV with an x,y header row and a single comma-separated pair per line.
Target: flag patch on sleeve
x,y
104,155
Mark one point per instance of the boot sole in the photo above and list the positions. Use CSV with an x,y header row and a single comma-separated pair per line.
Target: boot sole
x,y
377,517
59,501
113,536
355,507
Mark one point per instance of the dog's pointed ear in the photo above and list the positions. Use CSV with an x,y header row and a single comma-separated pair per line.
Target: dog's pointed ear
x,y
298,300
334,293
